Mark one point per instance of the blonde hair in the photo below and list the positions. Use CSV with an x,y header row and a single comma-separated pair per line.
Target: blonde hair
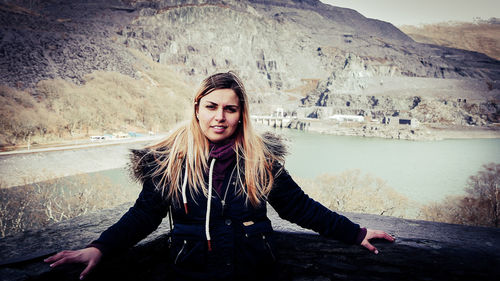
x,y
187,149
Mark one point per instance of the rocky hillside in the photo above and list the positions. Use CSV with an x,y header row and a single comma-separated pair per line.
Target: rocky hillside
x,y
273,43
482,36
278,47
61,39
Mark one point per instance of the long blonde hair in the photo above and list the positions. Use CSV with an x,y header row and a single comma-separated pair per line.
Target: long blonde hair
x,y
187,150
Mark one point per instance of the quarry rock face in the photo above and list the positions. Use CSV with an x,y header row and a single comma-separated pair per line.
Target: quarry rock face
x,y
274,45
60,39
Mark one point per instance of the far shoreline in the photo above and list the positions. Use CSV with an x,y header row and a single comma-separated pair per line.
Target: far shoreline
x,y
468,133
421,133
22,167
431,133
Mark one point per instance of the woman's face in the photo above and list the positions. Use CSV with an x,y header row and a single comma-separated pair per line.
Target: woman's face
x,y
218,114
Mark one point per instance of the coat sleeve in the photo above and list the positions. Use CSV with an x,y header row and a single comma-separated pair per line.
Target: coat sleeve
x,y
292,204
137,223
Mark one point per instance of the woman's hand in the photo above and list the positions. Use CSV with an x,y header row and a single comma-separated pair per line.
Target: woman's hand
x,y
89,256
370,234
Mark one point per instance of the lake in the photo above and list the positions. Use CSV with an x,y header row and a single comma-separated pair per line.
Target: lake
x,y
424,171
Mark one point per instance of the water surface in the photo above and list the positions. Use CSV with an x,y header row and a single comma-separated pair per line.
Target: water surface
x,y
424,171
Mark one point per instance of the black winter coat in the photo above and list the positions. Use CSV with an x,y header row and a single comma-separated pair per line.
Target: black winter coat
x,y
241,234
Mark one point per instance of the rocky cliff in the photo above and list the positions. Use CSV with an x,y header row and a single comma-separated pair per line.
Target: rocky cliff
x,y
274,45
482,36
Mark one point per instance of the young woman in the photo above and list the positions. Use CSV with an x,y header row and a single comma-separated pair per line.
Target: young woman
x,y
215,174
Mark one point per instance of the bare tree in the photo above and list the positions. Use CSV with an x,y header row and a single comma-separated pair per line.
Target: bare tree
x,y
484,190
481,205
41,203
352,191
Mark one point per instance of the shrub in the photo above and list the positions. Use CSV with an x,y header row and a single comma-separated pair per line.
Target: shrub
x,y
481,205
106,102
39,204
351,191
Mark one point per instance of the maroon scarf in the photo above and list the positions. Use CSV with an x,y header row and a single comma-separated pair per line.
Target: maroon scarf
x,y
225,156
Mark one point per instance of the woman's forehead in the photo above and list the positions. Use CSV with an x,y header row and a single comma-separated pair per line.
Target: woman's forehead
x,y
221,96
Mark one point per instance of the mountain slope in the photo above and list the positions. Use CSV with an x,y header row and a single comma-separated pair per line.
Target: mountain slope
x,y
275,44
277,47
482,36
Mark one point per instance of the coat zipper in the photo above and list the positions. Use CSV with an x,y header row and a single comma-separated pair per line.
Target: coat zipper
x,y
223,200
268,246
180,252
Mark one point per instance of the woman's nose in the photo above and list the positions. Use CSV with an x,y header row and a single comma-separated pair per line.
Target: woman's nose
x,y
219,115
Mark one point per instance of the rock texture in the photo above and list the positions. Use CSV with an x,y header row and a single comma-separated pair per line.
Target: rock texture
x,y
423,251
431,101
272,43
481,35
276,46
61,39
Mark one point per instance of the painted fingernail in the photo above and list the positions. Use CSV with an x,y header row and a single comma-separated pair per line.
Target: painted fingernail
x,y
81,277
376,252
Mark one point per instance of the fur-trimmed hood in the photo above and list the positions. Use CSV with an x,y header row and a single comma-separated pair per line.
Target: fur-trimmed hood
x,y
143,161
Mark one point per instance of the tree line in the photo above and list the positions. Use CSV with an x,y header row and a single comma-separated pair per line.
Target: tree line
x,y
108,102
39,204
351,191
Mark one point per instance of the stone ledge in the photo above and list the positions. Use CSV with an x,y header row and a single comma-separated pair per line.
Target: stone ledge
x,y
423,251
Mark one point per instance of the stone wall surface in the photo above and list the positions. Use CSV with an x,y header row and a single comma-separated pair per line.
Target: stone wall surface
x,y
423,251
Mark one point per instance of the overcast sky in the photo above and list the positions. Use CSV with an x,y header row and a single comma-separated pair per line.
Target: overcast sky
x,y
414,12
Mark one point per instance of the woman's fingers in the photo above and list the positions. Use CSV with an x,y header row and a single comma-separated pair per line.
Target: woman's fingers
x,y
379,234
388,237
61,261
87,269
370,247
59,258
89,256
86,256
52,258
56,256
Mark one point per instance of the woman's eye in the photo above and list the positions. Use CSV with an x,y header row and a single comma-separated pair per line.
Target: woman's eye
x,y
231,110
210,106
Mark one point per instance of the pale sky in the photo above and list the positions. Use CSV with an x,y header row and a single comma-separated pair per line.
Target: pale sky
x,y
414,12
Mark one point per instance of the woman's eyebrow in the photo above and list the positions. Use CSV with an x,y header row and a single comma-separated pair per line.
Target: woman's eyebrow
x,y
229,105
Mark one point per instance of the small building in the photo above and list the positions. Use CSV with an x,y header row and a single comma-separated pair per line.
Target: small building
x,y
97,138
279,112
120,135
411,122
347,118
404,121
394,121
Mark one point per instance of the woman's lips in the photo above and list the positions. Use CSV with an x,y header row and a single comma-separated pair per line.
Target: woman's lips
x,y
218,129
